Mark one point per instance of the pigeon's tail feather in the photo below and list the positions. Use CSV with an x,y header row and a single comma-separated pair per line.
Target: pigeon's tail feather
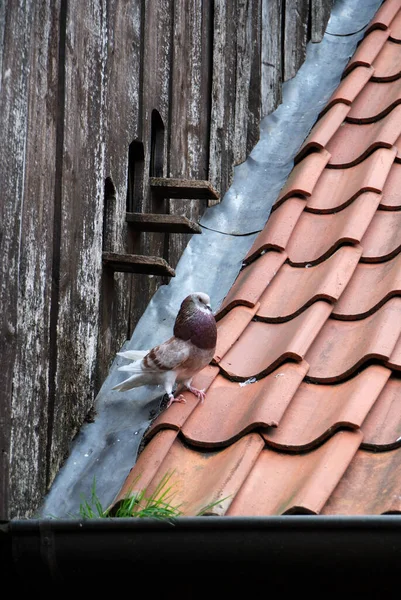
x,y
131,382
132,368
133,354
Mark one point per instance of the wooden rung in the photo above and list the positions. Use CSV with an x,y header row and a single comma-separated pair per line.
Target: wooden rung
x,y
162,223
191,189
135,263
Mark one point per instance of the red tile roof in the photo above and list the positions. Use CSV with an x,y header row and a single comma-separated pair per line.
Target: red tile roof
x,y
303,404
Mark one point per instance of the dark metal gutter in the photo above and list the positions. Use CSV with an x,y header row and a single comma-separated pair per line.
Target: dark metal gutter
x,y
360,554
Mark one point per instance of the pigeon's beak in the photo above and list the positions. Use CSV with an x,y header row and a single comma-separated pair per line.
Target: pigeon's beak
x,y
209,307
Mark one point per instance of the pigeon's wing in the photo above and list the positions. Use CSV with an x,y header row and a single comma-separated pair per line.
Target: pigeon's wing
x,y
168,356
133,354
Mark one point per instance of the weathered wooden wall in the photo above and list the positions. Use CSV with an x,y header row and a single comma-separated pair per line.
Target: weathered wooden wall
x,y
80,82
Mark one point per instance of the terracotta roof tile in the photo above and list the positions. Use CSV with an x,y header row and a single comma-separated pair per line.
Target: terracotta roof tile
x,y
252,281
283,483
296,288
233,409
375,102
384,16
347,184
176,415
317,411
352,142
317,236
387,64
303,177
391,197
367,50
323,131
395,28
382,239
349,87
278,228
308,363
264,346
369,288
199,478
343,346
370,486
382,427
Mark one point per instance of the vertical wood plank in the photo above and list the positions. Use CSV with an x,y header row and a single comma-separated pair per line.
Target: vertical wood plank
x,y
295,35
221,159
156,68
30,404
248,76
81,221
190,109
271,56
123,98
14,25
320,14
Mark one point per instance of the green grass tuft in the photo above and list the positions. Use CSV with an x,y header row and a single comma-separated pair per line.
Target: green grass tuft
x,y
156,506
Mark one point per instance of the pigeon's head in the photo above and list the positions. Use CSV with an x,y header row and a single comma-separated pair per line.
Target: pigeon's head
x,y
200,300
195,321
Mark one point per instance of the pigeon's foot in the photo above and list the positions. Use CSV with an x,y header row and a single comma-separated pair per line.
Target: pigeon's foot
x,y
179,398
198,393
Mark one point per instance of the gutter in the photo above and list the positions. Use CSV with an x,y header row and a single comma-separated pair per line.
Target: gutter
x,y
356,553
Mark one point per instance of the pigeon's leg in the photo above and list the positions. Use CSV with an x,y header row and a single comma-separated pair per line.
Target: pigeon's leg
x,y
198,393
169,389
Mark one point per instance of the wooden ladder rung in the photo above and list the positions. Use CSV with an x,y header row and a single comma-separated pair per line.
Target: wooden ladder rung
x,y
136,263
191,189
161,223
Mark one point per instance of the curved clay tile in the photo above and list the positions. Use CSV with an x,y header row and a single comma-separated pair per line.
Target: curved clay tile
x,y
352,143
375,102
295,288
303,177
369,288
316,236
278,228
336,188
199,478
230,327
349,87
323,130
382,239
391,197
147,464
252,281
283,483
232,409
317,411
370,486
367,50
382,427
176,415
395,28
343,346
385,15
394,362
264,346
387,64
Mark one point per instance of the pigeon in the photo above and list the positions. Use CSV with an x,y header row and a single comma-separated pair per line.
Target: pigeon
x,y
176,361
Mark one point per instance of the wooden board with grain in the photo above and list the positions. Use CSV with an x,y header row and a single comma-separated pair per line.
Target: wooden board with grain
x,y
320,14
271,56
80,221
295,30
157,42
123,126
